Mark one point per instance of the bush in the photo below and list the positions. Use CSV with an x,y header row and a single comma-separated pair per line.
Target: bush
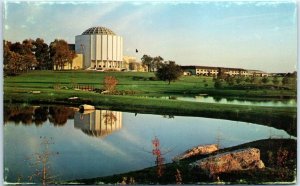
x,y
153,78
110,83
218,83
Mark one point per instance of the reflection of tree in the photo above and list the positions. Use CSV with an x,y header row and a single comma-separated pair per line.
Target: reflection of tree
x,y
18,114
217,99
169,116
60,115
110,118
40,115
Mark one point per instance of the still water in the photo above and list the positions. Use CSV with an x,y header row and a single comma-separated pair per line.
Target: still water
x,y
102,142
210,99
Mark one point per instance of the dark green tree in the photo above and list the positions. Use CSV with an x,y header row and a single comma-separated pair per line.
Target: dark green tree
x,y
41,51
286,80
229,80
169,71
265,80
239,79
218,83
275,80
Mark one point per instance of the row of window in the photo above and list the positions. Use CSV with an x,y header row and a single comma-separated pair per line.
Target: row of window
x,y
234,72
104,66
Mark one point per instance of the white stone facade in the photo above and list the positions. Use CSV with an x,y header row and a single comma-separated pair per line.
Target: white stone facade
x,y
101,48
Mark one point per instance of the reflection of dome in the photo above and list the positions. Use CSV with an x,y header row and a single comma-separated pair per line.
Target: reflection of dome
x,y
95,133
98,123
98,30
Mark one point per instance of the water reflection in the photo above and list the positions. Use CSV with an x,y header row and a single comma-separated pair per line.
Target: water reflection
x,y
27,115
82,156
210,99
98,123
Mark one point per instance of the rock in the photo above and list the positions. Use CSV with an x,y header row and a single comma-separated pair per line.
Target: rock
x,y
105,92
243,159
86,107
199,150
35,92
73,98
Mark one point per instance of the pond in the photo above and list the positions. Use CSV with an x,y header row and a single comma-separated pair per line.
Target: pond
x,y
102,142
210,99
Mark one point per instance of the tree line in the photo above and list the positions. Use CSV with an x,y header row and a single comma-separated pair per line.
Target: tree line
x,y
288,79
36,55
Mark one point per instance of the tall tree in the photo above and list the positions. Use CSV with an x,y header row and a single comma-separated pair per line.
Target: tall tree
x,y
147,61
169,71
156,62
41,51
60,53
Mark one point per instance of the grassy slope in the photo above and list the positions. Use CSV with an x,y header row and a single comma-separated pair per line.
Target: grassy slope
x,y
16,90
132,81
274,172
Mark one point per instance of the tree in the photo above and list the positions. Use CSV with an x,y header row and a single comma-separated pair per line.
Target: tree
x,y
60,54
286,80
275,81
41,51
229,80
110,83
265,80
239,79
253,80
218,83
169,71
156,62
25,52
12,60
28,61
221,73
147,61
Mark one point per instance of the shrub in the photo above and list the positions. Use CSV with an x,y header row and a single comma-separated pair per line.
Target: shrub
x,y
153,78
218,83
110,83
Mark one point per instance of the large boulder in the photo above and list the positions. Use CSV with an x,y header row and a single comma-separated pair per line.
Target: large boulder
x,y
243,159
196,151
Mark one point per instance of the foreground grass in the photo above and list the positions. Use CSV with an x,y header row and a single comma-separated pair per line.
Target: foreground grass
x,y
275,171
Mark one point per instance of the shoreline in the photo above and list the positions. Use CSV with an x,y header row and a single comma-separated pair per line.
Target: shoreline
x,y
266,147
279,117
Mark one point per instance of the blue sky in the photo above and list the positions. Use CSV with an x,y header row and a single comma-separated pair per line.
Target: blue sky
x,y
252,35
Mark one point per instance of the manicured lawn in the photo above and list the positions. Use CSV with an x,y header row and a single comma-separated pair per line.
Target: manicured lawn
x,y
17,89
134,81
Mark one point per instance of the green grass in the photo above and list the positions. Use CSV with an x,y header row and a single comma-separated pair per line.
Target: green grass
x,y
135,81
16,90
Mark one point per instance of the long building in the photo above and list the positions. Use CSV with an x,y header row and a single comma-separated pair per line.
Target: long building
x,y
214,71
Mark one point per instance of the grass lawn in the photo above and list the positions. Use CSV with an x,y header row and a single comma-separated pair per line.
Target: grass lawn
x,y
16,89
135,81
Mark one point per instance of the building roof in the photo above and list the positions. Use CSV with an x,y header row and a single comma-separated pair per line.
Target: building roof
x,y
98,30
207,67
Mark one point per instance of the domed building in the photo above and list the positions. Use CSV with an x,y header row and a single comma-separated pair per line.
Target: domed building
x,y
101,49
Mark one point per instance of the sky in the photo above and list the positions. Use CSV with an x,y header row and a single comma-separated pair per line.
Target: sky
x,y
246,34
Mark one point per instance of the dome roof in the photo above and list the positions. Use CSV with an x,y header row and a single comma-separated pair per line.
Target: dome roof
x,y
98,30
